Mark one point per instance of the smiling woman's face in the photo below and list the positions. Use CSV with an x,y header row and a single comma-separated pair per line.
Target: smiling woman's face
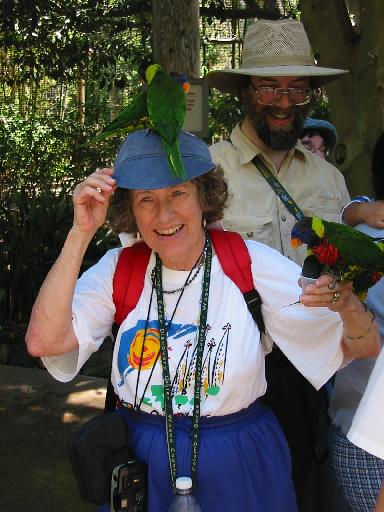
x,y
170,222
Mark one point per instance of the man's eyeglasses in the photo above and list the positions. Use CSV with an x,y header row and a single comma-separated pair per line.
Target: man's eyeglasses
x,y
270,95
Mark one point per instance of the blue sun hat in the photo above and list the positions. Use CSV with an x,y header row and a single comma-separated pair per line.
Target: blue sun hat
x,y
141,162
325,128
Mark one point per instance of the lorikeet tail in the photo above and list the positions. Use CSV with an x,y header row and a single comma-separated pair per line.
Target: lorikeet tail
x,y
175,160
134,116
142,123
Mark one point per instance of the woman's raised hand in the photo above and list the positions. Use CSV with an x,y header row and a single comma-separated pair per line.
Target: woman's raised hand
x,y
91,199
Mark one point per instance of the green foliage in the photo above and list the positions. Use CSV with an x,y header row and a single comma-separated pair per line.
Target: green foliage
x,y
67,39
42,150
225,112
33,226
320,109
41,162
32,149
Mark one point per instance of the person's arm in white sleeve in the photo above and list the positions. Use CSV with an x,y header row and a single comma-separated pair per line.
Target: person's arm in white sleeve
x,y
350,208
364,210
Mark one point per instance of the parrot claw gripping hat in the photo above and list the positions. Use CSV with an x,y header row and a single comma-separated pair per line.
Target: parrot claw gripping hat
x,y
141,162
273,48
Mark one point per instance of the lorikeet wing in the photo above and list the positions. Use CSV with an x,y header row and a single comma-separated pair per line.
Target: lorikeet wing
x,y
356,248
166,104
133,117
363,281
345,252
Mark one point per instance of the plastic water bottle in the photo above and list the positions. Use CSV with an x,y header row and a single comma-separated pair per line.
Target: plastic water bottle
x,y
184,501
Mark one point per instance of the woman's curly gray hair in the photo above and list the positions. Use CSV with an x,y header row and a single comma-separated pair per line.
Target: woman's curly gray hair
x,y
213,194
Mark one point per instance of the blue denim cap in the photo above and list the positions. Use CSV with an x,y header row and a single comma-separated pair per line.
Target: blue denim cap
x,y
141,162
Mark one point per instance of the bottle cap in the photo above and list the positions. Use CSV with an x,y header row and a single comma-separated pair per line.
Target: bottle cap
x,y
183,482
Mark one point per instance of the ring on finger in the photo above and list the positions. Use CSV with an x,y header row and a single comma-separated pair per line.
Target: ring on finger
x,y
335,297
98,189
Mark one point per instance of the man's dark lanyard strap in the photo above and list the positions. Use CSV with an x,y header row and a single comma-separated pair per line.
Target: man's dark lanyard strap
x,y
278,188
171,443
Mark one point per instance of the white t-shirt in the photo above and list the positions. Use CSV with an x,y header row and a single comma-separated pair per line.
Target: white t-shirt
x,y
233,361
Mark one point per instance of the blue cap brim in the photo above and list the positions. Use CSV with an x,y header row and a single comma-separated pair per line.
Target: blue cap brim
x,y
141,162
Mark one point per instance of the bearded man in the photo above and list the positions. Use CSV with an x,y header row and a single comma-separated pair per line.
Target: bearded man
x,y
277,82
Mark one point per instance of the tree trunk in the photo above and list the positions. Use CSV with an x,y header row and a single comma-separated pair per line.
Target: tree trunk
x,y
176,35
357,99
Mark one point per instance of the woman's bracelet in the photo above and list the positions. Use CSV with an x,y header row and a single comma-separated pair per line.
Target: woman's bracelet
x,y
373,316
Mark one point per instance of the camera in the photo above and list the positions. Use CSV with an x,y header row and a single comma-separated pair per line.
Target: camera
x,y
129,487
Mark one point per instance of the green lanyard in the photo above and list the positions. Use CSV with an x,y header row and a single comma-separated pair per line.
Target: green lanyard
x,y
169,424
289,203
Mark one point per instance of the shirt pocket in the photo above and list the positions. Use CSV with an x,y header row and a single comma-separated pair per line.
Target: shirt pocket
x,y
325,207
251,227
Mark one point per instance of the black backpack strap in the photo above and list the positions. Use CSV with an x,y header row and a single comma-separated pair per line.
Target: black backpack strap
x,y
253,301
111,398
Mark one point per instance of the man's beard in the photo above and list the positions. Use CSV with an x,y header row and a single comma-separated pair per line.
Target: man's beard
x,y
277,139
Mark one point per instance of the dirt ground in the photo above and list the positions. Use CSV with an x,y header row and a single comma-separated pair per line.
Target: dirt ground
x,y
37,415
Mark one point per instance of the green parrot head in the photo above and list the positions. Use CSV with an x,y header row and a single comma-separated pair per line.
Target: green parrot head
x,y
150,72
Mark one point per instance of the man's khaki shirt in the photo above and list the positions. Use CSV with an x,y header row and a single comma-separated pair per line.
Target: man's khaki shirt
x,y
254,209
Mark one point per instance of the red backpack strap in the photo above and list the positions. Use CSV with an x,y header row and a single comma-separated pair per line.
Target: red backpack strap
x,y
236,263
128,280
128,283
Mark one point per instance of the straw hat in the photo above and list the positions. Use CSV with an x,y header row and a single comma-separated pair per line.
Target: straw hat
x,y
141,162
273,48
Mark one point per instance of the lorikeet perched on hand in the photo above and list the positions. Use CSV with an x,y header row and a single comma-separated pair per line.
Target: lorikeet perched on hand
x,y
343,251
161,107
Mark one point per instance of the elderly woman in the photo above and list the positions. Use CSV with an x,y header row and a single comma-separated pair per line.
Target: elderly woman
x,y
243,460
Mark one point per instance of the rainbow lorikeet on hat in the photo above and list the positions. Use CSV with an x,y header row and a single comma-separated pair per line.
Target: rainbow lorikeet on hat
x,y
161,107
340,250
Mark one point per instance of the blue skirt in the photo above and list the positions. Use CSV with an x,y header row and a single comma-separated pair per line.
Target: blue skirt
x,y
244,461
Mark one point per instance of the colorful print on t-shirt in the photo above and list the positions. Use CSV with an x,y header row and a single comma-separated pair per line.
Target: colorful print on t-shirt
x,y
182,362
